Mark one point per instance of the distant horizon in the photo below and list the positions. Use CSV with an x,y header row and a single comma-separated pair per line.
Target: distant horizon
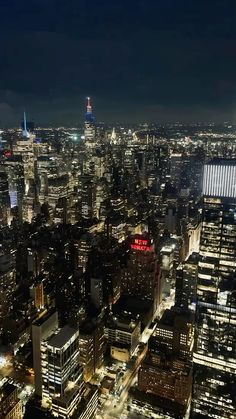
x,y
154,60
119,123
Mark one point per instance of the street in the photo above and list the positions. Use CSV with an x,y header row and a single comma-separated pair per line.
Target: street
x,y
115,406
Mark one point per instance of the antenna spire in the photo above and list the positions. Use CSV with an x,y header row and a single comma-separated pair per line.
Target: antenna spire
x,y
89,107
25,125
25,132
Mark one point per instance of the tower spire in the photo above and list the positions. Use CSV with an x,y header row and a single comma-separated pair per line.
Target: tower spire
x,y
25,125
113,134
25,132
89,107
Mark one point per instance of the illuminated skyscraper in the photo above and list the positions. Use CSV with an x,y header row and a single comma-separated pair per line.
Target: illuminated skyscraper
x,y
142,277
41,330
215,351
89,125
91,342
62,376
15,172
24,147
25,132
4,199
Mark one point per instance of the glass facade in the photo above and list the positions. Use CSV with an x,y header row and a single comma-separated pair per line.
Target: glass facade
x,y
215,346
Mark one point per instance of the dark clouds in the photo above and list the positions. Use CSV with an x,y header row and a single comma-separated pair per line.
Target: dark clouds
x,y
139,60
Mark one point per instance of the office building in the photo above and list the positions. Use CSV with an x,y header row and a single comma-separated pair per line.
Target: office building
x,y
7,283
84,248
91,344
215,347
123,335
186,282
10,405
88,404
24,147
166,372
4,198
96,290
15,172
57,187
41,330
175,330
167,376
142,277
88,196
37,293
62,385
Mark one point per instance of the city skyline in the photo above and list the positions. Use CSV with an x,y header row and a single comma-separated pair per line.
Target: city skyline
x,y
152,61
118,252
117,209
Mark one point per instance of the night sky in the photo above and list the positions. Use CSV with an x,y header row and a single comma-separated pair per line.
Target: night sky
x,y
142,60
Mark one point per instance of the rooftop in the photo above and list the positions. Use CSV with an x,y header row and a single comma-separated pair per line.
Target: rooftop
x,y
45,317
176,317
7,389
125,323
222,162
62,337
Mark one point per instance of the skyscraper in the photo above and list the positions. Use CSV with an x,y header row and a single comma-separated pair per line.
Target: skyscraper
x,y
62,376
15,172
24,147
4,199
141,278
166,372
42,329
89,125
215,351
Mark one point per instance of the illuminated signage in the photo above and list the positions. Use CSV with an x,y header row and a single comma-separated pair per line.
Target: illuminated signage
x,y
7,153
141,244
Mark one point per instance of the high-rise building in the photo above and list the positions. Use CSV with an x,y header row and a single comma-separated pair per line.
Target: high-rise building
x,y
7,284
63,385
215,350
57,187
186,282
4,199
10,405
37,293
123,335
88,197
89,125
141,277
168,378
30,203
24,147
166,372
91,342
41,330
96,290
15,173
84,248
175,331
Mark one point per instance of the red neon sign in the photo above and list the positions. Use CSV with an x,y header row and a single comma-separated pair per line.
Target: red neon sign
x,y
7,153
141,242
141,247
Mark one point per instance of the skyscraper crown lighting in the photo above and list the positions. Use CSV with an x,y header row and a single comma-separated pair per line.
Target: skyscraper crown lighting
x,y
219,178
